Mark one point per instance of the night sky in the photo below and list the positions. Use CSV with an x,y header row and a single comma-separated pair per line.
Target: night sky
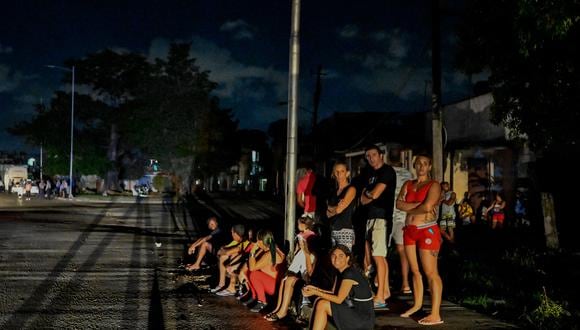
x,y
375,54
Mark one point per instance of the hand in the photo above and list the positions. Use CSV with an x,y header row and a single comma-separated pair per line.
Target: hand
x,y
308,291
302,243
191,250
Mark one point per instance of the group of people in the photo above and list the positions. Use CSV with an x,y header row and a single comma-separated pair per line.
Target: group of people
x,y
385,195
46,188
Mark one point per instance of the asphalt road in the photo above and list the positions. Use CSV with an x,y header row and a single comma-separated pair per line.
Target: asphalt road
x,y
113,263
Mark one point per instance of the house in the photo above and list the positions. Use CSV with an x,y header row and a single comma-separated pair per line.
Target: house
x,y
479,156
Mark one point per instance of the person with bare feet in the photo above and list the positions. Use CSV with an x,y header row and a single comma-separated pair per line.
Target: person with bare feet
x,y
420,200
206,244
227,255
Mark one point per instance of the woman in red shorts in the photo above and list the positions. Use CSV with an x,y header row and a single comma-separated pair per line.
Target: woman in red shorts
x,y
497,211
420,200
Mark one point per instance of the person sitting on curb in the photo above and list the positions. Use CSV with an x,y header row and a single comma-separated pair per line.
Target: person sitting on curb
x,y
237,268
209,243
351,303
227,254
264,269
301,268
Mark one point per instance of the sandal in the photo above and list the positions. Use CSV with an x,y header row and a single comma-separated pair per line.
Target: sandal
x,y
273,317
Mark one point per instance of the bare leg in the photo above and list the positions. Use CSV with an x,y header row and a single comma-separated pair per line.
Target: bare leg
x,y
381,264
404,267
281,293
429,263
321,314
203,248
367,260
451,235
287,297
411,252
222,268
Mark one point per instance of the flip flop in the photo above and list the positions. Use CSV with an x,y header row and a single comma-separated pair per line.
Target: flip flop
x,y
380,305
407,291
424,322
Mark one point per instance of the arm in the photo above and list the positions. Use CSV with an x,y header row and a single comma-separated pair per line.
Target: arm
x,y
343,203
401,203
230,251
431,201
343,291
451,200
300,199
370,195
307,256
197,243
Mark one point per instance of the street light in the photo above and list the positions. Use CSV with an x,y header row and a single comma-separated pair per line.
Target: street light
x,y
72,121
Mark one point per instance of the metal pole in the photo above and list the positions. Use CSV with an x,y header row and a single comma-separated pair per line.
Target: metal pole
x,y
292,125
72,122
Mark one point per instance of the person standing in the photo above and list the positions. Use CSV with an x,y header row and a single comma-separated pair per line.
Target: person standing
x,y
403,175
305,192
497,210
341,207
420,200
378,197
448,215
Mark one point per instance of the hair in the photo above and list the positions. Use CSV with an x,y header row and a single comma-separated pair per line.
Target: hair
x,y
307,221
212,218
240,230
444,182
267,237
339,162
424,155
375,147
346,251
395,155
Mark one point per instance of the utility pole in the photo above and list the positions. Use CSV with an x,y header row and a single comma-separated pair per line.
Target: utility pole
x,y
292,129
316,99
436,123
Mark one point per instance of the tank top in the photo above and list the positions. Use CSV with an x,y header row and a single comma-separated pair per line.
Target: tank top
x,y
447,209
342,220
413,196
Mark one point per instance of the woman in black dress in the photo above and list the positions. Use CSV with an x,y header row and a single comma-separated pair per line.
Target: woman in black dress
x,y
351,303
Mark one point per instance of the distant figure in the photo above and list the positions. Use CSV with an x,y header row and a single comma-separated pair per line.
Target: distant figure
x,y
466,211
520,210
448,215
497,210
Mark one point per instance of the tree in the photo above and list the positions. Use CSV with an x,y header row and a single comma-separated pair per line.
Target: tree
x,y
162,109
531,50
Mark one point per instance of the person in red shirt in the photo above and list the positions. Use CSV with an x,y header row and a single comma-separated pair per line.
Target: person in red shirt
x,y
304,192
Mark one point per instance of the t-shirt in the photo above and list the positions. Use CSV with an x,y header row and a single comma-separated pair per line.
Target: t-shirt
x,y
304,187
218,239
382,207
403,175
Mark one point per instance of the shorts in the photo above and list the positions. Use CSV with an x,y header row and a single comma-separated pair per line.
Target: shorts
x,y
376,234
397,233
447,221
498,217
426,237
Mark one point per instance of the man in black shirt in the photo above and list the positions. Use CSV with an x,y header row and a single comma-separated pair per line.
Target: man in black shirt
x,y
378,197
